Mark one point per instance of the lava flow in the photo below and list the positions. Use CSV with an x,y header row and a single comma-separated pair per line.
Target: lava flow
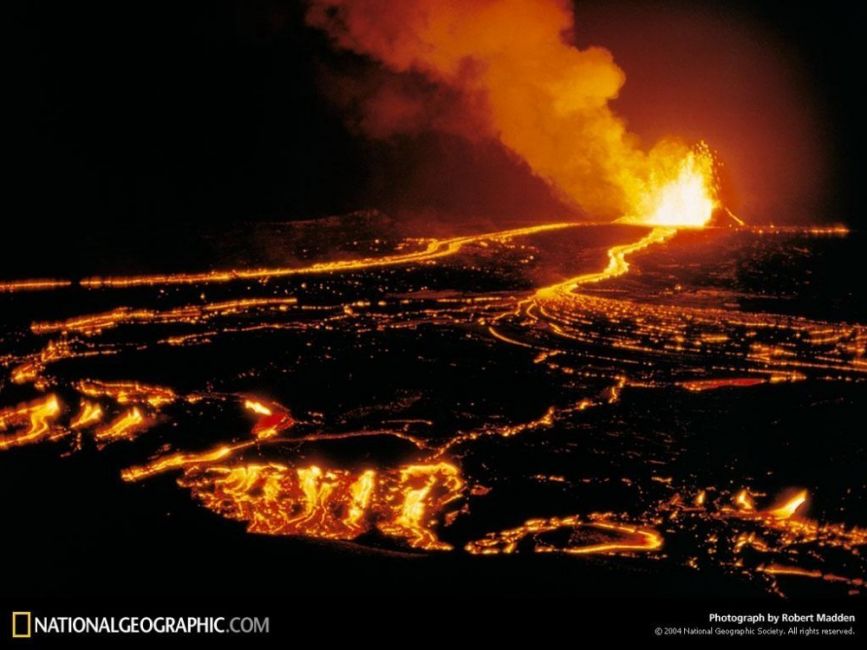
x,y
32,422
593,536
612,373
434,249
330,503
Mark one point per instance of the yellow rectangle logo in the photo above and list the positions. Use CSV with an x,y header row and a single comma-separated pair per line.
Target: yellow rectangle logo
x,y
21,625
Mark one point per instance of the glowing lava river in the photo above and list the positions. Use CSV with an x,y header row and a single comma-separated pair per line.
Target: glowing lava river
x,y
674,397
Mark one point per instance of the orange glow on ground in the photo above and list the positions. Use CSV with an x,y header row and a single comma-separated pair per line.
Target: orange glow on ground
x,y
593,536
744,501
272,418
331,503
790,507
30,422
414,503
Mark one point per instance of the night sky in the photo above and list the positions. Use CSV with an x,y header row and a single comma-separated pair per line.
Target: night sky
x,y
129,116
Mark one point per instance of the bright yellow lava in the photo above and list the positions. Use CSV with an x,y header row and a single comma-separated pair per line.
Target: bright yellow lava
x,y
790,507
256,407
682,196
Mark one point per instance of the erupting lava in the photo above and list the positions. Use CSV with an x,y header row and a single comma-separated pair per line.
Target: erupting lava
x,y
681,195
519,78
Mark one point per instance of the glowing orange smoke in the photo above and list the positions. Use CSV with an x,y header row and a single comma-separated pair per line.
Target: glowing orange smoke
x,y
517,76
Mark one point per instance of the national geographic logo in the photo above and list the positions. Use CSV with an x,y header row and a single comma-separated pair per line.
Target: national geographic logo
x,y
25,625
22,626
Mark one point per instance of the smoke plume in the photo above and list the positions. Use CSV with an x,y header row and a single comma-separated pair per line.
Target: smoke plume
x,y
503,69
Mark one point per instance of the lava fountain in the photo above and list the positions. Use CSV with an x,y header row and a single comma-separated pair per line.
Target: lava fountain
x,y
680,193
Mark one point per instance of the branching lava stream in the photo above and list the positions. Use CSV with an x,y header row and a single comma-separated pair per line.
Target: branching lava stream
x,y
212,393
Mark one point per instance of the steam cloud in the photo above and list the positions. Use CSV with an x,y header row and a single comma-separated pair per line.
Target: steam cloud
x,y
503,69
